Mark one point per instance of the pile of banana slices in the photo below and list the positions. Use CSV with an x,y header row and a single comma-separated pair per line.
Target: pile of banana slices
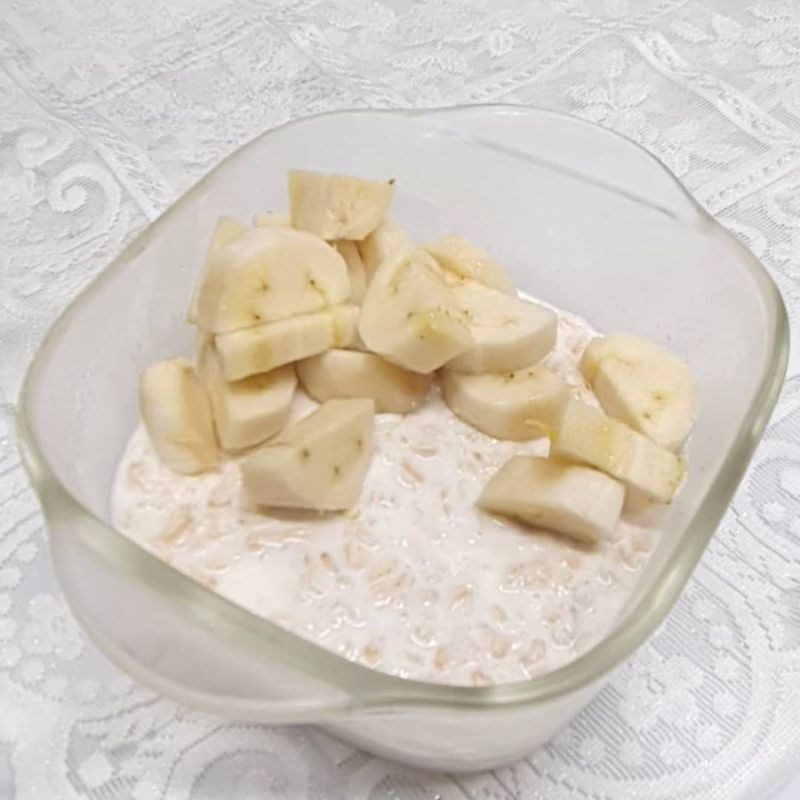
x,y
337,297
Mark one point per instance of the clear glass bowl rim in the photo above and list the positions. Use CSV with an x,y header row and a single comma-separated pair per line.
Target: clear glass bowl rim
x,y
369,688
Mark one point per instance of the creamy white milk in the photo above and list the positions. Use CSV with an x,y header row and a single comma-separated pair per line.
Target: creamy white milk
x,y
415,581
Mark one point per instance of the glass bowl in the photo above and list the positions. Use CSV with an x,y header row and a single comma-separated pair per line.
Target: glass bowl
x,y
581,218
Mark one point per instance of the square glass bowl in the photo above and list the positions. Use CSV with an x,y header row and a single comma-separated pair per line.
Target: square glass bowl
x,y
579,217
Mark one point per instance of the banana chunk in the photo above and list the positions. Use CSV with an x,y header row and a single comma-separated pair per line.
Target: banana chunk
x,y
268,274
410,315
345,325
337,206
380,244
577,501
249,411
520,405
317,463
586,435
272,219
643,385
355,269
177,414
265,347
347,373
226,231
467,260
507,333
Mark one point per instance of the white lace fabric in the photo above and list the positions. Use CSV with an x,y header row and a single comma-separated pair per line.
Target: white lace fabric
x,y
108,111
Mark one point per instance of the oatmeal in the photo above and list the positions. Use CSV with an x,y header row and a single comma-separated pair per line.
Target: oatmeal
x,y
415,580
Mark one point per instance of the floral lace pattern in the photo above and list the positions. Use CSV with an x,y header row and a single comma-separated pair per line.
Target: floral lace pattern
x,y
109,111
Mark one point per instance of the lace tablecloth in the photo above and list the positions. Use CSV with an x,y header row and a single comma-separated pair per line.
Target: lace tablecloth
x,y
109,110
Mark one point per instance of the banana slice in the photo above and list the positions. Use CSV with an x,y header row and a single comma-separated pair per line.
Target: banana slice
x,y
380,244
467,260
265,347
577,501
249,411
643,385
586,435
345,325
337,206
507,333
177,414
226,231
520,405
317,463
272,219
268,274
347,373
410,316
355,269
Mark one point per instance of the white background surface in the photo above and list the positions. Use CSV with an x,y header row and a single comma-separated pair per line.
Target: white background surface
x,y
109,111
790,792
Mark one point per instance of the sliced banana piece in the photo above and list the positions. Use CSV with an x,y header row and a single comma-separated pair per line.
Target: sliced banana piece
x,y
507,333
410,315
355,269
586,435
347,373
643,385
226,231
345,325
263,348
380,244
317,463
272,219
578,501
249,411
467,260
657,401
520,405
337,206
177,414
267,274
